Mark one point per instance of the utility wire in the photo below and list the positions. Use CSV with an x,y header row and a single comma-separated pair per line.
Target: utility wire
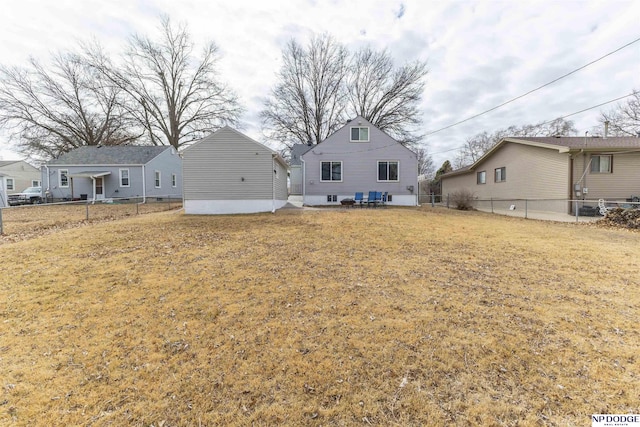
x,y
549,121
533,90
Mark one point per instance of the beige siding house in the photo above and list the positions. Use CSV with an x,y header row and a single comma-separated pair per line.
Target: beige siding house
x,y
550,171
15,176
229,173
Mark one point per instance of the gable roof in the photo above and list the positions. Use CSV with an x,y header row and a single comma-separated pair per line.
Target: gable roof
x,y
563,144
4,163
357,121
111,155
211,138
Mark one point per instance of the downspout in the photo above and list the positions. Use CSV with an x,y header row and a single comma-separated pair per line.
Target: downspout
x,y
273,184
93,181
304,179
48,188
144,186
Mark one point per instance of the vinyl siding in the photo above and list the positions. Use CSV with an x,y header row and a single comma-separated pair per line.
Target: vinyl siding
x,y
168,162
23,175
531,173
359,164
230,166
623,183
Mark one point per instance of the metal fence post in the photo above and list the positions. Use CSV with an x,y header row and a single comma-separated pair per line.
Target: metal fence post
x,y
526,206
87,206
433,200
491,204
1,229
576,211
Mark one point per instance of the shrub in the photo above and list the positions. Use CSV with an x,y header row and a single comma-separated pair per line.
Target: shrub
x,y
463,200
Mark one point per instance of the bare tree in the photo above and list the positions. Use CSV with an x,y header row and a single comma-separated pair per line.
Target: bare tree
x,y
426,166
322,85
175,97
476,146
385,95
624,120
307,103
49,110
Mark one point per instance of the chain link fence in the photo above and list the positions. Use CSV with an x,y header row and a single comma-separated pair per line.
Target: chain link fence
x,y
31,219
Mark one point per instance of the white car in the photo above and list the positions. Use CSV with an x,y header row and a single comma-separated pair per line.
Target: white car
x,y
29,196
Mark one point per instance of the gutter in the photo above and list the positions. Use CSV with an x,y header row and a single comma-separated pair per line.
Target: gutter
x,y
273,183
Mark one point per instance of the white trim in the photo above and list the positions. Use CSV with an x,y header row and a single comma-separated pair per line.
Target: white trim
x,y
398,200
222,207
341,170
13,183
128,177
60,178
359,140
174,180
378,170
157,182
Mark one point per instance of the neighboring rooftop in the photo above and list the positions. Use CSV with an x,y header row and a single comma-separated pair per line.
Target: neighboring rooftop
x,y
296,153
579,142
111,155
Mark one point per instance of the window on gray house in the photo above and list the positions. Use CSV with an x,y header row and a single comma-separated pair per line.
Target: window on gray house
x,y
501,174
481,177
388,171
360,134
331,171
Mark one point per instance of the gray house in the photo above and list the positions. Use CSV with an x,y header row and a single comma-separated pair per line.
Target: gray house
x,y
549,171
15,176
359,158
227,173
114,172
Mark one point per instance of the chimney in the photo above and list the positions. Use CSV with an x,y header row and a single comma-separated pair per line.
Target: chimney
x,y
606,129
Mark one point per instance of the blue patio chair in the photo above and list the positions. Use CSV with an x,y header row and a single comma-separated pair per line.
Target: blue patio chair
x,y
359,198
371,200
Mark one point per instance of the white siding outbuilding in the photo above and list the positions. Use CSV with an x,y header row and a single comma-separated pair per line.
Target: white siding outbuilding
x,y
229,173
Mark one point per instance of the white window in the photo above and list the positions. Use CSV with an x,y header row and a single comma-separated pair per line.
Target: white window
x,y
63,178
157,179
481,177
388,171
601,164
331,171
10,184
501,174
360,134
124,177
35,183
174,180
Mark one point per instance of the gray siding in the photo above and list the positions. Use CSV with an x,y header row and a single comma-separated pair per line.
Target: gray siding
x,y
228,165
168,163
359,164
141,179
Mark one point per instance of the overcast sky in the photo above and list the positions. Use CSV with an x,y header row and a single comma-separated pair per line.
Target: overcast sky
x,y
479,53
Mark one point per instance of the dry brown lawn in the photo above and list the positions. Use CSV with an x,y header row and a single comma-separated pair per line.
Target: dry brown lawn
x,y
354,317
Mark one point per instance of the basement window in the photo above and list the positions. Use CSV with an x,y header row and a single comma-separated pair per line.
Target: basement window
x,y
332,197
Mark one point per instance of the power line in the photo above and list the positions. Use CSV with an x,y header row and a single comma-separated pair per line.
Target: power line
x,y
563,117
533,90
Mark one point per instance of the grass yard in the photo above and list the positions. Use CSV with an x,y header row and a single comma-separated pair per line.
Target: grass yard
x,y
329,317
